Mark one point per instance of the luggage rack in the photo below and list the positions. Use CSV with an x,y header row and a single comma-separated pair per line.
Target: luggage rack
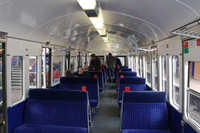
x,y
190,29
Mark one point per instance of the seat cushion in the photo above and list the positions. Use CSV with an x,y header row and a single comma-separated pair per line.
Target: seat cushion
x,y
119,103
35,128
93,103
144,131
100,89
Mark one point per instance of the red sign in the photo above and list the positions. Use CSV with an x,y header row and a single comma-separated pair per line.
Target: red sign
x,y
167,45
119,70
84,88
185,45
95,76
127,89
198,42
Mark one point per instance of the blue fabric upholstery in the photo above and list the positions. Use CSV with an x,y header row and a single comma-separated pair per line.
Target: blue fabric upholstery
x,y
144,131
144,116
75,83
144,112
123,66
127,73
35,128
135,84
50,112
100,78
55,111
59,95
145,97
125,69
55,86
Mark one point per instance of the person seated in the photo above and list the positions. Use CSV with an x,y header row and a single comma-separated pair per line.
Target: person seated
x,y
69,74
82,73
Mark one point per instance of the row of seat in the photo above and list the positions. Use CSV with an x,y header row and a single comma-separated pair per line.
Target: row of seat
x,y
142,110
56,111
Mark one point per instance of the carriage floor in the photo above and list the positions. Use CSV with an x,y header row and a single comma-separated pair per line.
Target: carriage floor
x,y
106,119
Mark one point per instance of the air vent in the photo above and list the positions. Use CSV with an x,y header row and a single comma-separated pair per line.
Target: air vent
x,y
190,29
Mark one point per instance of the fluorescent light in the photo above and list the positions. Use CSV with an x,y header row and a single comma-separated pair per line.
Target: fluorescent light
x,y
102,31
98,22
87,4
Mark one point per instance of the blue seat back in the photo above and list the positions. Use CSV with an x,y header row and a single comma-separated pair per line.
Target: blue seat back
x,y
135,84
99,75
127,73
76,83
123,66
125,69
144,110
57,107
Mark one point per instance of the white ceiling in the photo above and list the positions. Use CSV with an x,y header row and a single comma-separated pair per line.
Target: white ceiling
x,y
129,23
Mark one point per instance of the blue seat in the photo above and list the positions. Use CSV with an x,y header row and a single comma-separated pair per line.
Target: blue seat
x,y
144,112
125,73
135,84
100,78
76,83
55,111
123,67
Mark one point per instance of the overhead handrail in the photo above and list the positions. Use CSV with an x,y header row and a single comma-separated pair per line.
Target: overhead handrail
x,y
190,29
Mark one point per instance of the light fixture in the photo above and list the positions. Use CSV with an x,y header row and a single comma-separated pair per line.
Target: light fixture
x,y
94,13
98,21
102,31
87,4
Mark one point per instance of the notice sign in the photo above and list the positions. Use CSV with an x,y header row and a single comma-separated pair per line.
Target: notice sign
x,y
198,42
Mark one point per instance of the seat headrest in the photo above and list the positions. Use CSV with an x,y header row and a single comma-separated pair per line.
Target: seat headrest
x,y
78,80
144,97
94,73
132,80
128,73
58,95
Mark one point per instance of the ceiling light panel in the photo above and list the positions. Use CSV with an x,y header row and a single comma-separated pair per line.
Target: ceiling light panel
x,y
87,4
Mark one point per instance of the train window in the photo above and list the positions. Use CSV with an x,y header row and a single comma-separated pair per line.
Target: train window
x,y
57,68
123,60
134,64
194,76
194,107
73,63
148,72
138,66
175,80
16,78
141,67
155,72
33,71
163,71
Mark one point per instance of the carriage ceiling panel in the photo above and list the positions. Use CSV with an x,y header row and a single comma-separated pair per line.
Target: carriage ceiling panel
x,y
134,22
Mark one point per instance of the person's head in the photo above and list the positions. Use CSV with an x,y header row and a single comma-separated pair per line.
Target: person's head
x,y
93,56
110,54
85,67
69,74
80,71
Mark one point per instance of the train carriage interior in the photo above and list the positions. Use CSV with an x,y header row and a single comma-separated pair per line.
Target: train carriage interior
x,y
138,61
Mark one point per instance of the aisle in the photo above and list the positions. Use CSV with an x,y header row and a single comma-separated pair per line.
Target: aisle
x,y
106,118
